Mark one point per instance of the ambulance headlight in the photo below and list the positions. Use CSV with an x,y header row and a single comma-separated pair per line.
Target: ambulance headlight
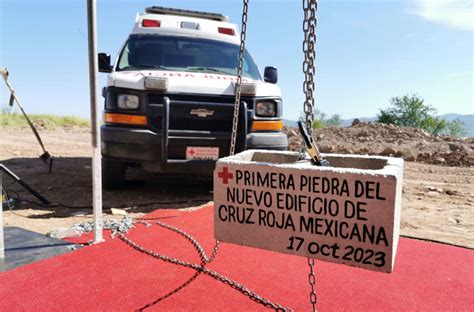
x,y
265,109
127,101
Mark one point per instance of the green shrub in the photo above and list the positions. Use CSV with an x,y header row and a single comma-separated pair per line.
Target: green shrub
x,y
455,128
321,120
334,121
411,111
9,117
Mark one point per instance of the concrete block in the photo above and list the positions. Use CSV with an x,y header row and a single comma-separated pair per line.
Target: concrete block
x,y
347,213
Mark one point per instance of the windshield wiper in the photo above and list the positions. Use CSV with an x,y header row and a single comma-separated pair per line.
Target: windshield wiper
x,y
143,66
212,69
152,66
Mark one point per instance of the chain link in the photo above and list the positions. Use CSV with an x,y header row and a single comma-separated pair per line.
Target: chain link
x,y
313,297
309,45
197,246
310,8
119,228
174,291
238,84
201,267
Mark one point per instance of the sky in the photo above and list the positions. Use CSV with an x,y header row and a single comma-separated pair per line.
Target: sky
x,y
368,51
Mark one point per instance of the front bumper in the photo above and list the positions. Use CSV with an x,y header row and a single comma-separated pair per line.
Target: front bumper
x,y
267,140
166,152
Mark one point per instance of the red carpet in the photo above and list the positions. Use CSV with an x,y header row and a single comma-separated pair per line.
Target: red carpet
x,y
113,277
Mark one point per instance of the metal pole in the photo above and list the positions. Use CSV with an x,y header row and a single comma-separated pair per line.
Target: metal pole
x,y
17,179
96,153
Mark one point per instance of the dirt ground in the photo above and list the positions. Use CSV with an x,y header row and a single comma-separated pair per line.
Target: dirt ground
x,y
438,200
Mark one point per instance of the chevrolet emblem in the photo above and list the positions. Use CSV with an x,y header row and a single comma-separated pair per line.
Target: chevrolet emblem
x,y
202,112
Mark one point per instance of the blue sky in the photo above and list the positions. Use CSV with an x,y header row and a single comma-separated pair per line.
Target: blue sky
x,y
367,50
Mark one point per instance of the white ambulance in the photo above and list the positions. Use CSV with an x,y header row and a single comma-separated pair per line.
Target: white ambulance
x,y
170,96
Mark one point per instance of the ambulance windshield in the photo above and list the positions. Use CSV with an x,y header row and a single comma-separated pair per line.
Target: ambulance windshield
x,y
184,54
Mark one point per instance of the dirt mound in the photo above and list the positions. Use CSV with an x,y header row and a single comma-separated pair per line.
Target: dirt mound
x,y
411,144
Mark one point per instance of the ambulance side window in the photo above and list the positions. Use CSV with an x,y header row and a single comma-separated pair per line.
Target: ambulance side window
x,y
246,66
124,61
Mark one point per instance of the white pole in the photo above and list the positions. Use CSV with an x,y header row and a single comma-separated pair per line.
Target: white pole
x,y
96,153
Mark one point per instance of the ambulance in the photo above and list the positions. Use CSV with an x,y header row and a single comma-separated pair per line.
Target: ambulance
x,y
170,94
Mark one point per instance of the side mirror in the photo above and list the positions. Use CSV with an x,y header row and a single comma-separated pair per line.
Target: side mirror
x,y
271,74
104,63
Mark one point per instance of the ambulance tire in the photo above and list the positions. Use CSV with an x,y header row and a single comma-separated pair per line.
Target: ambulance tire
x,y
113,173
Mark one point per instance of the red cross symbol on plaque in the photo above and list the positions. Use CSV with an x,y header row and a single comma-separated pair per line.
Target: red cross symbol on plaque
x,y
192,152
225,175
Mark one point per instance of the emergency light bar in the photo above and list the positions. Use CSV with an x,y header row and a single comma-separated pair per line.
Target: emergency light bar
x,y
150,23
226,31
178,12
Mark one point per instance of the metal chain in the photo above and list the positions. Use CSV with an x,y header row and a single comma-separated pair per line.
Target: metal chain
x,y
310,8
201,268
313,297
197,246
309,29
174,291
309,45
238,84
122,226
238,89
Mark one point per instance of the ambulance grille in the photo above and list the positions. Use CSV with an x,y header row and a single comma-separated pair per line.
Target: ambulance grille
x,y
181,118
200,125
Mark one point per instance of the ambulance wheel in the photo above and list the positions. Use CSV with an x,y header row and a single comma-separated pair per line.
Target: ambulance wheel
x,y
113,173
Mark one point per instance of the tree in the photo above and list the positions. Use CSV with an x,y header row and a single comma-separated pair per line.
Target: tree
x,y
321,120
334,121
455,128
411,111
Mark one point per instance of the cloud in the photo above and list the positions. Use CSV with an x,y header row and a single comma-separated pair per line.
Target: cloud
x,y
458,14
